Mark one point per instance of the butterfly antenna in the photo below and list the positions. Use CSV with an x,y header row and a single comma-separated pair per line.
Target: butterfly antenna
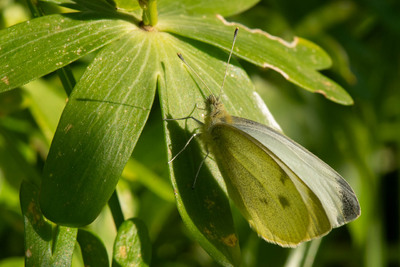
x,y
192,70
229,59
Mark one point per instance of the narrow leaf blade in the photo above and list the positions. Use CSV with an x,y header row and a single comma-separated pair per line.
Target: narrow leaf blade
x,y
262,49
98,131
132,245
223,7
93,250
39,240
51,43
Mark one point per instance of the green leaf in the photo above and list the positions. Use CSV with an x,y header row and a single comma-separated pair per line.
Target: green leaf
x,y
132,245
304,254
44,246
10,102
59,2
98,5
98,130
222,7
107,110
127,5
53,42
311,54
262,49
156,221
14,165
93,250
12,262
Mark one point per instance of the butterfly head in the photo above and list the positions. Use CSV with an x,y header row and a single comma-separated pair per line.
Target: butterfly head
x,y
215,111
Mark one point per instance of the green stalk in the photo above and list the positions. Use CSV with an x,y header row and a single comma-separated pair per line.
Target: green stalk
x,y
150,15
116,210
67,79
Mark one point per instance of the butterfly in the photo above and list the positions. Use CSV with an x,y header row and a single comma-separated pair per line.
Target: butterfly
x,y
287,194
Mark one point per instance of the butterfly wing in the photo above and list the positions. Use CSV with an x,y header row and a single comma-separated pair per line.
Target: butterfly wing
x,y
278,205
337,197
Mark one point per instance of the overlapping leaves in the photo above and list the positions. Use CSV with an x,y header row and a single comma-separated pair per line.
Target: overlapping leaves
x,y
109,106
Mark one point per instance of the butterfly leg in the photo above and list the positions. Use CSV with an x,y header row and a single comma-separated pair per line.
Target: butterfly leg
x,y
187,143
185,118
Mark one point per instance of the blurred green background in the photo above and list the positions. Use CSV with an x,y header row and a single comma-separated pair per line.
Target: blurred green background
x,y
360,141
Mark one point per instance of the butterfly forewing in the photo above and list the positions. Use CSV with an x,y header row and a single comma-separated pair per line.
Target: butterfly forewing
x,y
337,197
280,210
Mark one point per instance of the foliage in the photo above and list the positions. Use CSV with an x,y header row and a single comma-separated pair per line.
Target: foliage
x,y
110,134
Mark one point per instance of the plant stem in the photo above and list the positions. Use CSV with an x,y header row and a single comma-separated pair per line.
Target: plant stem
x,y
35,9
150,15
67,79
116,210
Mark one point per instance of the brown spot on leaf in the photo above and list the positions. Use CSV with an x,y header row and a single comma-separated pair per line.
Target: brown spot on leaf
x,y
28,253
210,204
230,240
67,128
5,80
122,251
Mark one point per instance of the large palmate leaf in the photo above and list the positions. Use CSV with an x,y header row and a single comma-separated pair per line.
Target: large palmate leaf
x,y
109,106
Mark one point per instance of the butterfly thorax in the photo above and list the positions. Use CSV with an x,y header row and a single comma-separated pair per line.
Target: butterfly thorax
x,y
215,114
